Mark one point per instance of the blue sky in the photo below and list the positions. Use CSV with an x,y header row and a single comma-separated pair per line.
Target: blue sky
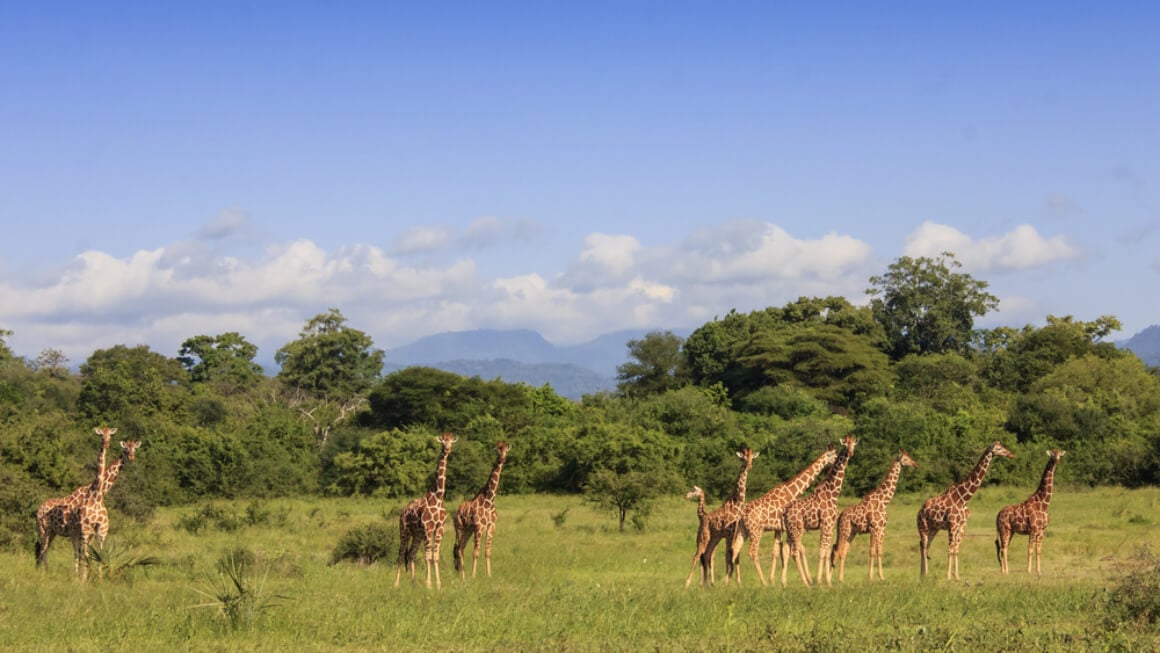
x,y
176,169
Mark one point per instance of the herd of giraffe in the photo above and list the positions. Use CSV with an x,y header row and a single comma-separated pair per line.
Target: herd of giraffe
x,y
784,511
82,516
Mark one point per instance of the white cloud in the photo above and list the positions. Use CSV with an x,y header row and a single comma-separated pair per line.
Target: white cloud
x,y
1019,249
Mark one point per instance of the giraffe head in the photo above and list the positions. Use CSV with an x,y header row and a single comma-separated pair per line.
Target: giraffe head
x,y
1055,454
446,440
849,441
695,492
106,433
999,450
748,455
501,448
905,459
130,447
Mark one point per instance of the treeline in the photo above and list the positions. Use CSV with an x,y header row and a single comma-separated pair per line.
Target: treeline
x,y
907,371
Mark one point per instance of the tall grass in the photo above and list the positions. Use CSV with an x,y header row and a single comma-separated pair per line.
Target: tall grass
x,y
577,584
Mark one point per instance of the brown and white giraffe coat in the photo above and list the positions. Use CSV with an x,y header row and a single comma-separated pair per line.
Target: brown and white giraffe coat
x,y
869,516
62,515
476,518
1028,518
764,514
948,511
816,512
422,521
721,523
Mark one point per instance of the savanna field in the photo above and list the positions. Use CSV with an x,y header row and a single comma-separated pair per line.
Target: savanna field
x,y
260,576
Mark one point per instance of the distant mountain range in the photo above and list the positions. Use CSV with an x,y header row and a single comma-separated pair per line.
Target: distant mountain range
x,y
1145,344
522,355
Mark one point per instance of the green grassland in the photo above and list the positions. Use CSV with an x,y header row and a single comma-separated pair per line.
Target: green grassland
x,y
566,580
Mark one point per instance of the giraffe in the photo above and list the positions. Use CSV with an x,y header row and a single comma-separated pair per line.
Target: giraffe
x,y
60,516
764,514
1028,518
869,516
949,511
94,517
702,527
818,511
421,522
477,518
721,522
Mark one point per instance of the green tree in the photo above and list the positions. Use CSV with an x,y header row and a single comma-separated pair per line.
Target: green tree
x,y
656,365
6,356
226,360
329,359
333,367
1016,359
925,307
834,364
123,383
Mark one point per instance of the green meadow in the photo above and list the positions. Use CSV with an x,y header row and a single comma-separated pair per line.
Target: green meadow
x,y
566,580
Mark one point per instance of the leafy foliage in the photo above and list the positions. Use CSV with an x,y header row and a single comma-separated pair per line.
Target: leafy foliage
x,y
925,307
367,544
330,360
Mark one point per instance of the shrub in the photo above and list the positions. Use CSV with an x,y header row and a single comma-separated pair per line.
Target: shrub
x,y
1135,600
366,544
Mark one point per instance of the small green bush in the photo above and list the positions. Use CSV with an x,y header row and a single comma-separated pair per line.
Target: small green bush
x,y
1135,600
366,544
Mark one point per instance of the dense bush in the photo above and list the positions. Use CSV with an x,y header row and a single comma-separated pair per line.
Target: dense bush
x,y
367,544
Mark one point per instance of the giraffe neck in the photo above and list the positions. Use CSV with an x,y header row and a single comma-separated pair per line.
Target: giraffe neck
x,y
439,483
970,485
1043,494
489,491
890,483
738,496
111,475
799,483
701,506
832,486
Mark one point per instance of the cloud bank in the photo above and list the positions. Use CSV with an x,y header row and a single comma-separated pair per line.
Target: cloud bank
x,y
434,279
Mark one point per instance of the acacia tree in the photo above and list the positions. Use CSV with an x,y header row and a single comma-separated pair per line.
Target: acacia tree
x,y
926,307
331,367
656,365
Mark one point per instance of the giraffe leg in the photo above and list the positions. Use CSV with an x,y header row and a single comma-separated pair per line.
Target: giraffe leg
x,y
1001,544
956,538
755,556
487,550
824,558
457,551
435,561
475,553
923,547
774,553
1030,550
877,536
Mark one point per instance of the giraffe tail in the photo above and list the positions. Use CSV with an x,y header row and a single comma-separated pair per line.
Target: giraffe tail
x,y
998,551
